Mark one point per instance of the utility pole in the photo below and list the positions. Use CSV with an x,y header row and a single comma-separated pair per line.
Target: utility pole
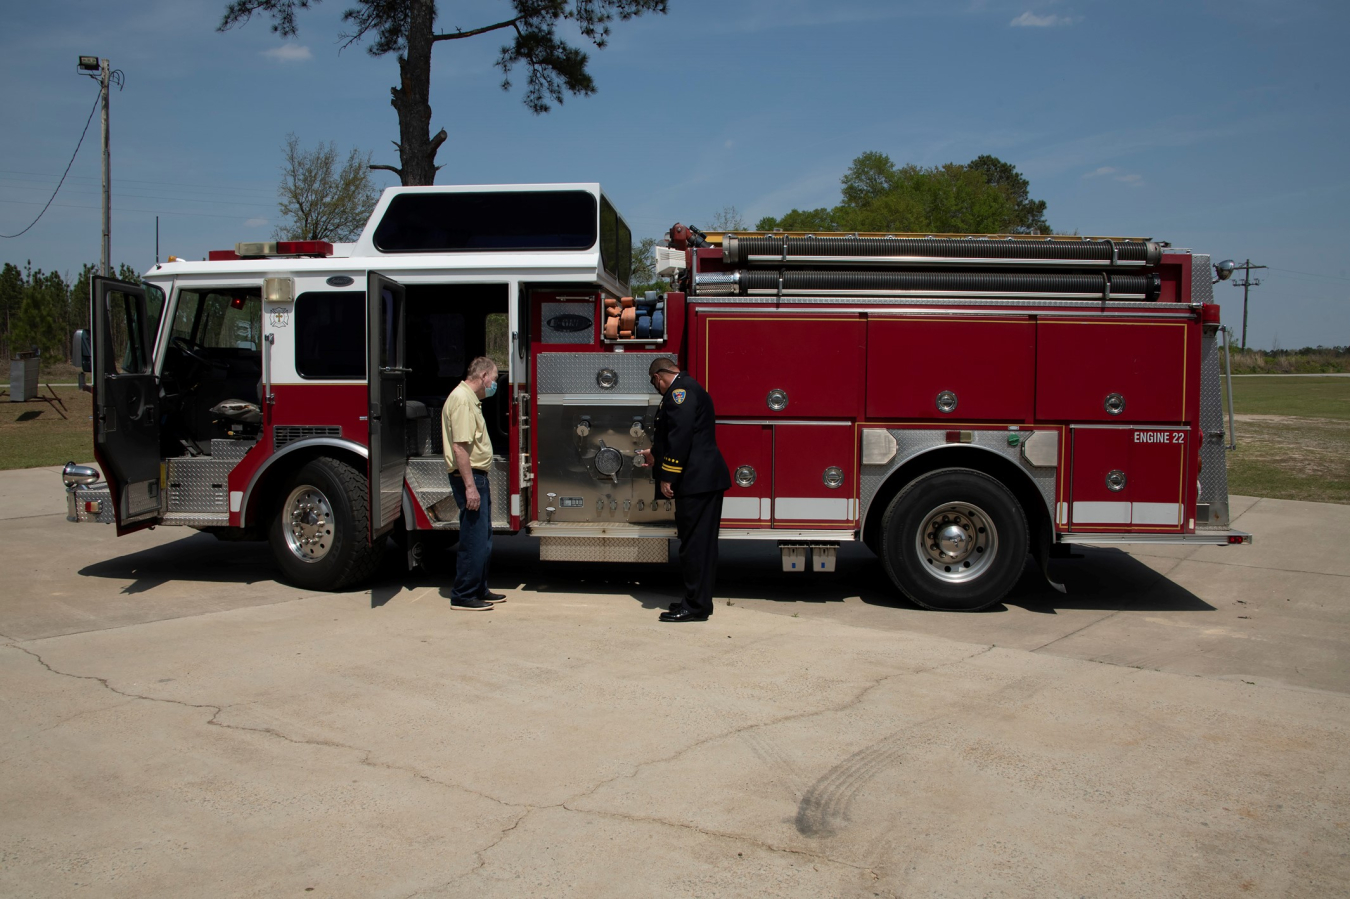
x,y
107,76
1246,284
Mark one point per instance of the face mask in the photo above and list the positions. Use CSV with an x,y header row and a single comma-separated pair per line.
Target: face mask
x,y
490,389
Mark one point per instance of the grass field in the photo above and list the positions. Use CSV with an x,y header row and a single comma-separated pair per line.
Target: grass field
x,y
1293,437
33,433
1299,397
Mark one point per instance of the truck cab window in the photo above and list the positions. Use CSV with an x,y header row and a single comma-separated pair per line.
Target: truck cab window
x,y
213,354
330,335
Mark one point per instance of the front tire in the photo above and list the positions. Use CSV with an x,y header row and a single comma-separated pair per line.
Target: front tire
x,y
954,540
319,531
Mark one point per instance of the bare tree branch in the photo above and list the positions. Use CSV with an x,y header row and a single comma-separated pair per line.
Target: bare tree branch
x,y
476,31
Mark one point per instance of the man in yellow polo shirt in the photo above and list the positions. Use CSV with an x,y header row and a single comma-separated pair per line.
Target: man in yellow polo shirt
x,y
468,455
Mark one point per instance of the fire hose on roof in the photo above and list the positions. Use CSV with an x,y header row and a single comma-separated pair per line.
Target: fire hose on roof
x,y
790,282
939,251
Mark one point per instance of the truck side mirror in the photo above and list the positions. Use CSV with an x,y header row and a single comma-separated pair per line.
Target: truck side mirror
x,y
80,351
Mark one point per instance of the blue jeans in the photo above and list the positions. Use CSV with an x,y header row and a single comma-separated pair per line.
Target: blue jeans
x,y
475,539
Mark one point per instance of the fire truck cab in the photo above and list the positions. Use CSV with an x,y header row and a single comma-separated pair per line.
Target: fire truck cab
x,y
958,403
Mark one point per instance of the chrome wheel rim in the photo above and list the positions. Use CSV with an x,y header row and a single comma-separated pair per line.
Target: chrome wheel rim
x,y
957,542
308,523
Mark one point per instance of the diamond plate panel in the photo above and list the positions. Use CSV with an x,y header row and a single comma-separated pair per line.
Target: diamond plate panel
x,y
75,500
1202,284
575,372
229,450
551,313
196,519
199,484
1213,453
604,549
912,443
430,484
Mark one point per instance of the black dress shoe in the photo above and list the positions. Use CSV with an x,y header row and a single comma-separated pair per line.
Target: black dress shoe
x,y
682,614
493,597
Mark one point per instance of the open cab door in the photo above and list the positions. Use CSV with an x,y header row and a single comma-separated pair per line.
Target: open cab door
x,y
387,380
126,401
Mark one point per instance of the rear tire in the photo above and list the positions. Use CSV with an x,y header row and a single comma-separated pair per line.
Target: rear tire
x,y
319,531
954,540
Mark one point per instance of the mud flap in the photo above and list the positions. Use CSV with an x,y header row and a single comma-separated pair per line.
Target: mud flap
x,y
1043,544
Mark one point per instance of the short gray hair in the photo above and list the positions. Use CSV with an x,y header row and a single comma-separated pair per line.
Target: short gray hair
x,y
479,367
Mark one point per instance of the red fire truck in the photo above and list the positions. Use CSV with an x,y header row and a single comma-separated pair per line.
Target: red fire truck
x,y
956,402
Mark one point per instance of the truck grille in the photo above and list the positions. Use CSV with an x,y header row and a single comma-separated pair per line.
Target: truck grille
x,y
284,434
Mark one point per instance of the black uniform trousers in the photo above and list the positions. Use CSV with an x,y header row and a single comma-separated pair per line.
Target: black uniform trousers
x,y
698,517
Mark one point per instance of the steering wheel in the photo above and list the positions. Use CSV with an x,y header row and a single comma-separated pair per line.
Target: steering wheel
x,y
192,351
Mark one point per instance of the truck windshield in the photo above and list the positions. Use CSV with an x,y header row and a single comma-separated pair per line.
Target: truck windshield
x,y
219,318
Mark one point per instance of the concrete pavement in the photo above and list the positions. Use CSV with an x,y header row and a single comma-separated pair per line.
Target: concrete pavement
x,y
175,722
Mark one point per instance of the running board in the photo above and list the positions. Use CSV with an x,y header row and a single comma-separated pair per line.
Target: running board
x,y
1203,538
628,532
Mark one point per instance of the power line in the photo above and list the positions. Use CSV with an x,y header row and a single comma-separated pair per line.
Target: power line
x,y
127,195
63,174
170,184
1310,274
123,209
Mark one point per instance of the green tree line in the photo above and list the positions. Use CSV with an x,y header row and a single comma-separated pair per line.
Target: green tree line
x,y
984,196
43,309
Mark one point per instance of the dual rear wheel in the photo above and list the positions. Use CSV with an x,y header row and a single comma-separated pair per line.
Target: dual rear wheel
x,y
954,540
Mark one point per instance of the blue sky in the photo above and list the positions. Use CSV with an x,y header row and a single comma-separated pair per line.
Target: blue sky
x,y
1214,124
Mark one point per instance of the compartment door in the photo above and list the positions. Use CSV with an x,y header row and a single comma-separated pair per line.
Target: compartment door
x,y
815,475
1079,365
386,376
779,365
748,449
1129,479
960,369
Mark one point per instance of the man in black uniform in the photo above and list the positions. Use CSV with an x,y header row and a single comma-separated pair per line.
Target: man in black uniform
x,y
689,469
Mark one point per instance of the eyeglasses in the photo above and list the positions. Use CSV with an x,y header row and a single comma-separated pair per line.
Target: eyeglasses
x,y
665,371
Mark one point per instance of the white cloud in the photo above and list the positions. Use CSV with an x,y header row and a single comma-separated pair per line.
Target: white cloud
x,y
1029,19
256,222
289,53
1110,171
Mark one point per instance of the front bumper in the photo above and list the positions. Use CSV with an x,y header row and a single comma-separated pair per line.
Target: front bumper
x,y
91,502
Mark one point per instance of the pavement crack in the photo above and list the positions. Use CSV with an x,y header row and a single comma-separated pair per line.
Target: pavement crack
x,y
365,755
103,682
856,700
723,835
480,854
